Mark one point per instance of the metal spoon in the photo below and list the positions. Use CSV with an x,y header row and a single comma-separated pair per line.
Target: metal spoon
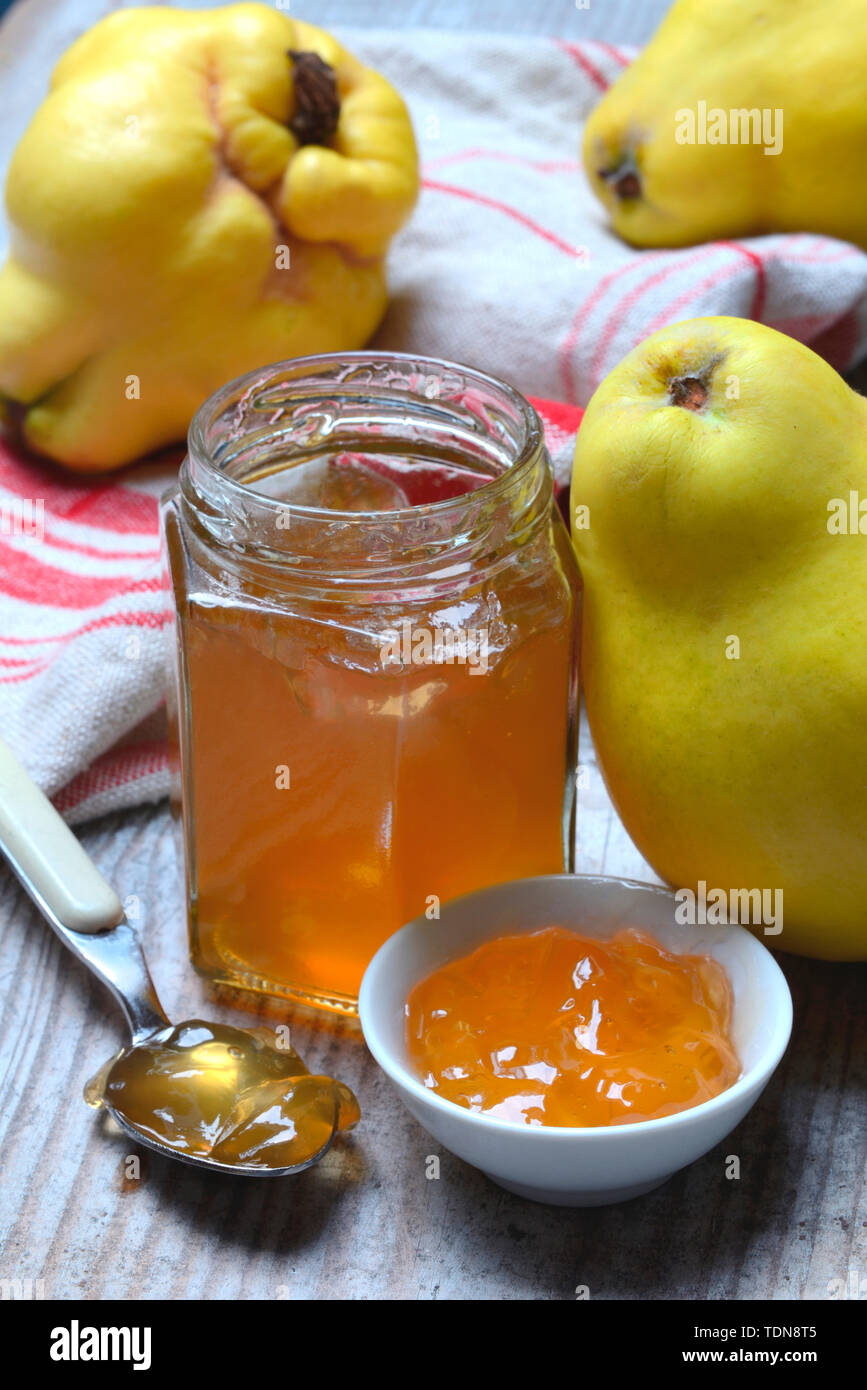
x,y
88,916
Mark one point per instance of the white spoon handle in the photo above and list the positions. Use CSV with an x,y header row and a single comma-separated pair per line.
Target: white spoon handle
x,y
51,864
73,896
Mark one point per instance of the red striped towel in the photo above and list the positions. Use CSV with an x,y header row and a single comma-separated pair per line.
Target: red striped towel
x,y
509,258
84,622
508,264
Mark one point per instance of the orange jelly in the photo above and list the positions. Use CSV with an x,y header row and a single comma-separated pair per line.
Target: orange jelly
x,y
552,1028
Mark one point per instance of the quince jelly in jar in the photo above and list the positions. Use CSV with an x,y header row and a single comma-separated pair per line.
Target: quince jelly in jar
x,y
377,636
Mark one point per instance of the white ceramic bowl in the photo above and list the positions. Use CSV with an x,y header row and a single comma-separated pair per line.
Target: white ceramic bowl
x,y
576,1167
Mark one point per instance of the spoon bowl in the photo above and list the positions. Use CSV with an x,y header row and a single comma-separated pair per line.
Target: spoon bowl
x,y
225,1096
244,1170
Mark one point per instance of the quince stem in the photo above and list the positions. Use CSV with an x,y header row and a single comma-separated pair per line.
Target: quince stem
x,y
688,391
624,179
317,102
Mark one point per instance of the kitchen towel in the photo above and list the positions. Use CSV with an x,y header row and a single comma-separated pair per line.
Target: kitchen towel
x,y
507,264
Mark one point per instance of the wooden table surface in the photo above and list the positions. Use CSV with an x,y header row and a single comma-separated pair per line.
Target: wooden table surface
x,y
367,1223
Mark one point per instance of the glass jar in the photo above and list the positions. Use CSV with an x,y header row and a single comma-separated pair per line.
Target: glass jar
x,y
377,645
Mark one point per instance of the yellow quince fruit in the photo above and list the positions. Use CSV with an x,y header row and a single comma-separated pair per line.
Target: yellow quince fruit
x,y
737,119
201,192
719,503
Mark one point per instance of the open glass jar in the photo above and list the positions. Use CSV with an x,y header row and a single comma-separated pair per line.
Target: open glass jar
x,y
377,645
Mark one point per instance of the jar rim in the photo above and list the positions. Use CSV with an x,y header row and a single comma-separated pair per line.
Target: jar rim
x,y
531,445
